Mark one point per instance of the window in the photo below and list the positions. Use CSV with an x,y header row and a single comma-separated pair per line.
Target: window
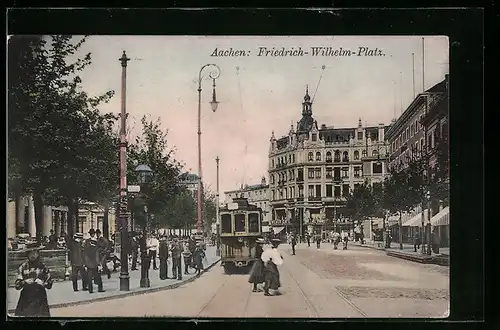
x,y
301,191
281,194
329,190
374,153
377,168
272,178
300,174
225,223
328,156
345,156
356,154
310,156
272,163
416,148
310,192
328,172
364,153
82,219
345,172
318,156
314,137
239,223
356,186
100,220
336,173
356,172
317,173
360,135
318,191
310,173
337,156
345,190
253,223
293,158
289,158
273,193
336,191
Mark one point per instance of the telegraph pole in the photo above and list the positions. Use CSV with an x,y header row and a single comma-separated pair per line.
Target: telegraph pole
x,y
217,221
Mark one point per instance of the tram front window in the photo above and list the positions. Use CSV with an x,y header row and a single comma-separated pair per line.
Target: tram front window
x,y
225,223
253,223
239,223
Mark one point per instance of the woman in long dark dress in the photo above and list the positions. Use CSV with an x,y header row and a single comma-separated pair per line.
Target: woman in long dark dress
x,y
33,279
257,271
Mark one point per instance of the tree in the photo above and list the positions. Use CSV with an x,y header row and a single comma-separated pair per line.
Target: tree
x,y
51,121
360,204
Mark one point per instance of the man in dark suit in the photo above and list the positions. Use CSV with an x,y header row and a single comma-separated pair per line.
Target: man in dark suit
x,y
92,262
163,256
293,242
76,260
103,250
176,259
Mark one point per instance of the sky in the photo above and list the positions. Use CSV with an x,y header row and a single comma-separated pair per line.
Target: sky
x,y
257,94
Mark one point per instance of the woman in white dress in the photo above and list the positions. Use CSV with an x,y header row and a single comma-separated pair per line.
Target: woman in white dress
x,y
272,258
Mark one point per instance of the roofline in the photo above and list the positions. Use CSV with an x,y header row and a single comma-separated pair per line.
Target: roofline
x,y
410,110
247,189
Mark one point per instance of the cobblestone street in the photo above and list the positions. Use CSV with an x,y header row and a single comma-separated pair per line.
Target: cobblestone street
x,y
355,283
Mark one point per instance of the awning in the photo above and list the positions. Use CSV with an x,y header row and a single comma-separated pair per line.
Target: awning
x,y
277,230
416,220
266,229
442,218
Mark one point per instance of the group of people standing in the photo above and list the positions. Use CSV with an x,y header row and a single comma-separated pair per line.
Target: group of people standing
x,y
152,247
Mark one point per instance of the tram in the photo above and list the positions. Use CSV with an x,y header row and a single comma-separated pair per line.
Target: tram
x,y
240,226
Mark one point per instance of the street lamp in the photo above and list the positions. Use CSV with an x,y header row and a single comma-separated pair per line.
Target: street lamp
x,y
144,174
217,220
214,74
335,181
123,210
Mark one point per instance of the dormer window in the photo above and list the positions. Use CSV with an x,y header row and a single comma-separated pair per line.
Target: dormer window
x,y
314,137
360,135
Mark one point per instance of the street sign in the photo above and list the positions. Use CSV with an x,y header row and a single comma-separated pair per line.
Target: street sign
x,y
232,206
133,189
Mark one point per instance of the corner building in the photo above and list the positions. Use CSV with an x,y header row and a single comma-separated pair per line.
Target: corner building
x,y
313,169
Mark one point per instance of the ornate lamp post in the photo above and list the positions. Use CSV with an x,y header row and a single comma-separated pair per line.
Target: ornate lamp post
x,y
335,181
123,215
144,174
217,220
214,74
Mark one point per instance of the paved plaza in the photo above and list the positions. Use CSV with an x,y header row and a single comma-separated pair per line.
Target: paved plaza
x,y
62,293
316,283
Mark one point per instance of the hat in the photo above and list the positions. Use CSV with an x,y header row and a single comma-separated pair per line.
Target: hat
x,y
260,241
78,235
91,231
97,231
276,241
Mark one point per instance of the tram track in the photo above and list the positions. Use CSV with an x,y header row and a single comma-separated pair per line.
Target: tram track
x,y
213,296
334,288
308,301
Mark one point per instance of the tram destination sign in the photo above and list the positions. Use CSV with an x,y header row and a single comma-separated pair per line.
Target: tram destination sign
x,y
232,206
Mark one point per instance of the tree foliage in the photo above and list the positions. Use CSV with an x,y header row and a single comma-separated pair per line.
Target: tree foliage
x,y
60,145
360,203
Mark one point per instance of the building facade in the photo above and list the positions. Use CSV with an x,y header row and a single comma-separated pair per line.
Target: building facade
x,y
191,182
21,218
313,169
421,129
257,194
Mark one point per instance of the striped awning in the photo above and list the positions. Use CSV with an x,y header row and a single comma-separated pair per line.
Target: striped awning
x,y
277,230
416,220
442,218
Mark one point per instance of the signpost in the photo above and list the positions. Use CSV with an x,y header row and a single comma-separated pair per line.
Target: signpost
x,y
133,189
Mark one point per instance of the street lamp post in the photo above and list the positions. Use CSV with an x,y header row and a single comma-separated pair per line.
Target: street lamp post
x,y
214,74
123,216
144,174
217,220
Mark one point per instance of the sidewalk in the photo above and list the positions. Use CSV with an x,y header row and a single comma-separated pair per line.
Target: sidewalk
x,y
62,293
408,252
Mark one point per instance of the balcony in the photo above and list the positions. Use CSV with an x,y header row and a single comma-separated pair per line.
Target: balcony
x,y
314,199
300,179
300,199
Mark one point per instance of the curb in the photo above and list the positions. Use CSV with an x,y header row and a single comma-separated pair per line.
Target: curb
x,y
130,293
433,260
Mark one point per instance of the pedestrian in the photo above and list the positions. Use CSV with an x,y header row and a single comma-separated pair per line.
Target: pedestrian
x,y
293,242
336,240
33,278
417,241
176,252
76,261
52,244
103,250
152,243
187,254
198,256
134,247
163,255
308,239
92,262
318,241
257,270
345,239
435,241
272,258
